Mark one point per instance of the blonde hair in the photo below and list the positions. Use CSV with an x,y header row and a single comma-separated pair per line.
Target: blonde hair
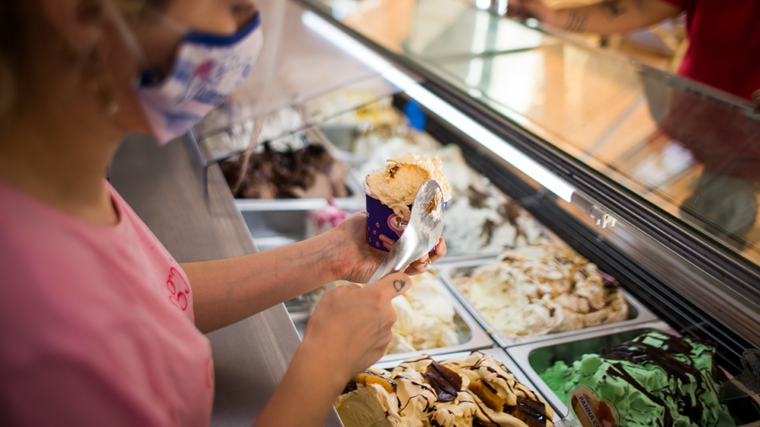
x,y
13,45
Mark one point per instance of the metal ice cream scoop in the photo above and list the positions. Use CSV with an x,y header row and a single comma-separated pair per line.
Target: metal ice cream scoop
x,y
421,234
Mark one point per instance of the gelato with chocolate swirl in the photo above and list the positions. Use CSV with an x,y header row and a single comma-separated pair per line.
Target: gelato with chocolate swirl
x,y
542,289
475,390
308,172
654,380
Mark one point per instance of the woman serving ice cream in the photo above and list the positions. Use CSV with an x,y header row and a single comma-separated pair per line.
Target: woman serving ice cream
x,y
100,325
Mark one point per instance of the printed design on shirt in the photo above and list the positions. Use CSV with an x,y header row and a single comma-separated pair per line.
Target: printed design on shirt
x,y
178,289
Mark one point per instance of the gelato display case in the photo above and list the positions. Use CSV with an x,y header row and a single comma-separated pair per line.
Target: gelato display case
x,y
593,198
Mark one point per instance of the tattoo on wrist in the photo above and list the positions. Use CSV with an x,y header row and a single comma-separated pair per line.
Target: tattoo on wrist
x,y
577,21
612,8
398,285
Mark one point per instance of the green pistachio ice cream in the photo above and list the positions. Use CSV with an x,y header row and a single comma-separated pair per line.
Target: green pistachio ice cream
x,y
654,380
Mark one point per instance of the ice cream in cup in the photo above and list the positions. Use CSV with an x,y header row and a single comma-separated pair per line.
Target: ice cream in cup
x,y
390,193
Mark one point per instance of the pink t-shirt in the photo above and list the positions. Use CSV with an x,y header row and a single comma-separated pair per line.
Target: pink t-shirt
x,y
96,324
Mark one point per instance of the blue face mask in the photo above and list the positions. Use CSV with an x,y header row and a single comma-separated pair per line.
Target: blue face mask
x,y
207,70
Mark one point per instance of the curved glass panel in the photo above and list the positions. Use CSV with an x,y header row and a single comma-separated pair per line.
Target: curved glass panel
x,y
682,147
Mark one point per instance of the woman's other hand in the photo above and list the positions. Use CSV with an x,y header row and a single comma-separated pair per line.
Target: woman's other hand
x,y
351,326
354,260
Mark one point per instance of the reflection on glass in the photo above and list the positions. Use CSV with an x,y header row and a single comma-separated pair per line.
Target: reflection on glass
x,y
432,28
693,155
321,81
689,150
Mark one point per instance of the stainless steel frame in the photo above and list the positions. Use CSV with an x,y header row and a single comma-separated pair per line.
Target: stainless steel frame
x,y
448,271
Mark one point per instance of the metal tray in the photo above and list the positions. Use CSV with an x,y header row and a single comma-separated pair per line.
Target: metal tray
x,y
275,223
355,197
497,353
637,312
356,193
471,335
278,222
536,357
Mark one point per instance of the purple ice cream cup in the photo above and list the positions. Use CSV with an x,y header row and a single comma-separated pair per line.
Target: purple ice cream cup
x,y
383,221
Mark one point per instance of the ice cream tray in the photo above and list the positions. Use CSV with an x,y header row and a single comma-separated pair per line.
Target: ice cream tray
x,y
448,271
539,356
355,191
278,222
275,223
497,353
471,335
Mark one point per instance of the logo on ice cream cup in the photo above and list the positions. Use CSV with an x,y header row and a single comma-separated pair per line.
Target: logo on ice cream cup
x,y
588,409
381,220
397,224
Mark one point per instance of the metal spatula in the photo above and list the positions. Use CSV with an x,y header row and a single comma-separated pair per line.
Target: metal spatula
x,y
421,234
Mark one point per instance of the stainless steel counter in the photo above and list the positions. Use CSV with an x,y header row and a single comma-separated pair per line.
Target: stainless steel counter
x,y
196,222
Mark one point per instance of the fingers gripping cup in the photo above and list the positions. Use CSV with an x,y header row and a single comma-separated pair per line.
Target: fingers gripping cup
x,y
390,193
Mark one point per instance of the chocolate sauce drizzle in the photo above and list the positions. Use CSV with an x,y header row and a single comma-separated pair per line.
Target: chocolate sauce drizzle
x,y
638,352
531,412
446,382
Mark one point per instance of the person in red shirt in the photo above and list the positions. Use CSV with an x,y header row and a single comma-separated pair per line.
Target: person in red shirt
x,y
724,53
724,50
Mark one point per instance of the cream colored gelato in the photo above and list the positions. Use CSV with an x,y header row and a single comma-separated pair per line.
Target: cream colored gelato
x,y
425,316
542,289
369,401
397,184
378,146
473,390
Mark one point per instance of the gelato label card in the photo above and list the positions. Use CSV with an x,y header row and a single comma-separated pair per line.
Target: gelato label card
x,y
590,410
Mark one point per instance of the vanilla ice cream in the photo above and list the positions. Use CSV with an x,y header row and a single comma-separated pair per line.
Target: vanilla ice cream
x,y
542,289
397,184
425,315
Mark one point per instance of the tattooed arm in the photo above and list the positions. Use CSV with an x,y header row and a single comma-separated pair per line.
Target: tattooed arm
x,y
605,17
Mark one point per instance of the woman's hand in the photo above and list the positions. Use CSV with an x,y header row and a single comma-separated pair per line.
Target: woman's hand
x,y
351,326
756,100
347,333
356,261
